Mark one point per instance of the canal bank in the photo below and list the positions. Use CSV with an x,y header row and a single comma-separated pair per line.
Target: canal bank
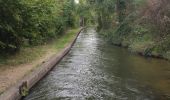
x,y
96,70
21,88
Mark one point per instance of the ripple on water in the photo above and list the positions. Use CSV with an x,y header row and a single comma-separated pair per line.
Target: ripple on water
x,y
94,70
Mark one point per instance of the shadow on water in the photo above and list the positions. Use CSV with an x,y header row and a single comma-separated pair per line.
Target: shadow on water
x,y
95,70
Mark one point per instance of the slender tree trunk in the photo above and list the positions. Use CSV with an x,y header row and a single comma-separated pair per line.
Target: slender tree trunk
x,y
100,26
121,10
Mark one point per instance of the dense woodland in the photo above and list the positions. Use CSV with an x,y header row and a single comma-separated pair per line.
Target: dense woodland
x,y
141,25
33,22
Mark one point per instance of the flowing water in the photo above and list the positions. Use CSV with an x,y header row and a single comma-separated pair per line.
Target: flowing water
x,y
96,70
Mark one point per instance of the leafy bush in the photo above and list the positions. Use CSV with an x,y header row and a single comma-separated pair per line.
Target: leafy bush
x,y
36,21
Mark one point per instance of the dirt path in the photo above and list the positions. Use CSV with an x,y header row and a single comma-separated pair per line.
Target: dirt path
x,y
13,74
10,75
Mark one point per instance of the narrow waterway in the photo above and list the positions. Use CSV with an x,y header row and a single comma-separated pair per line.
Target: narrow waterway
x,y
96,70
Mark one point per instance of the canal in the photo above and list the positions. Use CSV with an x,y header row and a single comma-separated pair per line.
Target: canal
x,y
96,70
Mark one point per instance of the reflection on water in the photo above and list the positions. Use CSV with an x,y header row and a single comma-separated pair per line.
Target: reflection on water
x,y
95,70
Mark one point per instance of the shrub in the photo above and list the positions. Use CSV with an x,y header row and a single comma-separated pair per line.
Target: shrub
x,y
34,20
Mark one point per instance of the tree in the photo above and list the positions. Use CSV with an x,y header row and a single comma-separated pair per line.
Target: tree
x,y
33,21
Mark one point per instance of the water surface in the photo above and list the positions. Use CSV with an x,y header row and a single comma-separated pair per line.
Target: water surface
x,y
96,70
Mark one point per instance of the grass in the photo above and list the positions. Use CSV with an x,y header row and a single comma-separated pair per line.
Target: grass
x,y
29,54
67,38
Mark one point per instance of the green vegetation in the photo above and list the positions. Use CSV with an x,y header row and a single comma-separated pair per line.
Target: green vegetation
x,y
33,22
29,54
28,25
143,26
86,14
